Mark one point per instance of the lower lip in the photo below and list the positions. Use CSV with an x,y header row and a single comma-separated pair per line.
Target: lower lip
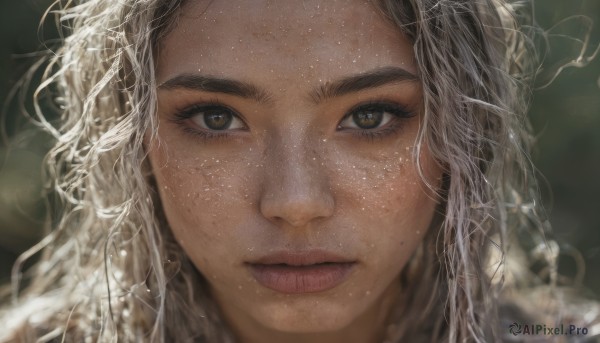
x,y
301,279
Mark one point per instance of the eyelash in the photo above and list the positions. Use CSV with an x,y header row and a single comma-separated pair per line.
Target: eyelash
x,y
189,112
398,111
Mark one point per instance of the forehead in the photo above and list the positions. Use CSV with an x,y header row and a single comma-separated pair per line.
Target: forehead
x,y
261,37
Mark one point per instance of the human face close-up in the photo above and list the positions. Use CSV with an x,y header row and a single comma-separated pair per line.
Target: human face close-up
x,y
285,162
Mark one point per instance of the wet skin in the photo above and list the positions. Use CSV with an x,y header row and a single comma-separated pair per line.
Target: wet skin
x,y
288,128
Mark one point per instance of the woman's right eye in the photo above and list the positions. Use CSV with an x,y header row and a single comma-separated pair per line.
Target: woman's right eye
x,y
212,117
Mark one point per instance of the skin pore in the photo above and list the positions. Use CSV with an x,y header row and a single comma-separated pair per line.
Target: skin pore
x,y
288,127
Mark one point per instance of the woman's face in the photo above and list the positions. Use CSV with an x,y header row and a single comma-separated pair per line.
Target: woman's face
x,y
284,159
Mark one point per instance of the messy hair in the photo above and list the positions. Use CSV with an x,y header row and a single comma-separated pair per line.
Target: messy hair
x,y
109,267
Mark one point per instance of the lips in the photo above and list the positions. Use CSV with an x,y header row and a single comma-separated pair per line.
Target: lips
x,y
301,272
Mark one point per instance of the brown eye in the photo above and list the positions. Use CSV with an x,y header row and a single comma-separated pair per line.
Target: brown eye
x,y
367,119
372,116
215,118
218,120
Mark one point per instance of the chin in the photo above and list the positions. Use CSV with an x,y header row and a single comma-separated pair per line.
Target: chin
x,y
314,315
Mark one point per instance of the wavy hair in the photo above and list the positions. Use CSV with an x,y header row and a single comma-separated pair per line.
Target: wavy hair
x,y
109,266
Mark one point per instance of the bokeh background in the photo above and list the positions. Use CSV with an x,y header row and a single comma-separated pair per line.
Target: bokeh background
x,y
565,116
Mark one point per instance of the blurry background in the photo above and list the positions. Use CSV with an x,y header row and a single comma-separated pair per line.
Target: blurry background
x,y
565,116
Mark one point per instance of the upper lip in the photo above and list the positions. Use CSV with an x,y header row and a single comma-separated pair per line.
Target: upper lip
x,y
301,258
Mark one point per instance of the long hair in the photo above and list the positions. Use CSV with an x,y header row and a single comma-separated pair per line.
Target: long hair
x,y
110,268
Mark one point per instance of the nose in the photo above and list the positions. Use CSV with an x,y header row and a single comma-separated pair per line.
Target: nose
x,y
296,188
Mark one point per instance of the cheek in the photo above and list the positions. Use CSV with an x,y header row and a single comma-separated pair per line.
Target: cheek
x,y
390,207
206,203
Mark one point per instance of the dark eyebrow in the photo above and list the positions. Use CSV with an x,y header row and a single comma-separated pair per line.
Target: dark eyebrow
x,y
371,79
216,85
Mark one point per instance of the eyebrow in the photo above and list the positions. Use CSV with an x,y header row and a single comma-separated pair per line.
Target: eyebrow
x,y
212,84
370,79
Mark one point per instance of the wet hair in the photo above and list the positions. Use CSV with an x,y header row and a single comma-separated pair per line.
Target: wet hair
x,y
109,266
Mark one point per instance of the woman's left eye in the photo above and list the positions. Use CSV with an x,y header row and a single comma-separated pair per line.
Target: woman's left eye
x,y
372,116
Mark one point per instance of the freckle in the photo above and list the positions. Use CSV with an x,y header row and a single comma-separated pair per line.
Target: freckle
x,y
402,243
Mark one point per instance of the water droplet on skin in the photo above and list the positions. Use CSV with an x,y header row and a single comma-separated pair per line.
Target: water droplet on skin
x,y
240,287
367,293
418,232
123,253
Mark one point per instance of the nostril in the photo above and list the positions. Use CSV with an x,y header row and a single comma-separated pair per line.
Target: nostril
x,y
296,212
